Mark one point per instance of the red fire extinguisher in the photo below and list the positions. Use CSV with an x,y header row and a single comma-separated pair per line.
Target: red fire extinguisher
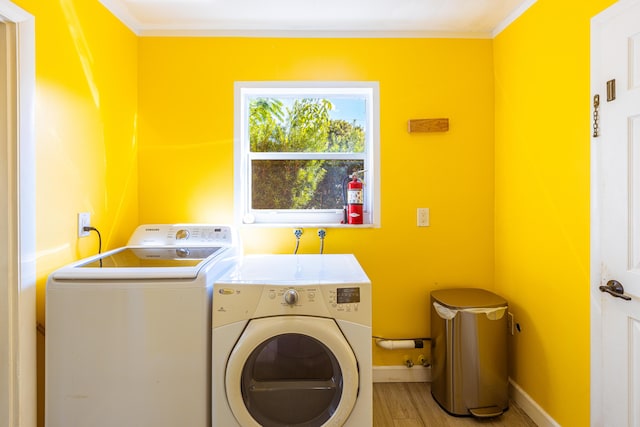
x,y
355,200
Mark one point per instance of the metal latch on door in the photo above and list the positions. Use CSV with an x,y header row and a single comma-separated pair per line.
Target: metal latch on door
x,y
611,96
616,289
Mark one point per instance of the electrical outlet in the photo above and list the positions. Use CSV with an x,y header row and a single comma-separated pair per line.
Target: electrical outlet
x,y
423,217
84,220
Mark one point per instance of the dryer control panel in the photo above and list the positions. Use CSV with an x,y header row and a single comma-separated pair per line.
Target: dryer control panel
x,y
236,302
333,286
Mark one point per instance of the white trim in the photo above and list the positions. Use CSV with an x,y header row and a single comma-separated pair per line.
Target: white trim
x,y
13,13
401,374
615,9
7,304
596,372
245,216
20,280
530,406
512,17
120,11
150,31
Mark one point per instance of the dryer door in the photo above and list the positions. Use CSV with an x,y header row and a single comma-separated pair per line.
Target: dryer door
x,y
292,371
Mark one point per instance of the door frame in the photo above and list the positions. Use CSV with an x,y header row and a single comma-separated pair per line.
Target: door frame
x,y
597,350
17,191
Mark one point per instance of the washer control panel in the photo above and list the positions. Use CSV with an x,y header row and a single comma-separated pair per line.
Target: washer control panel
x,y
183,235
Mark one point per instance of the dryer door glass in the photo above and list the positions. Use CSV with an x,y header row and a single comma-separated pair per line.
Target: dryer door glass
x,y
291,379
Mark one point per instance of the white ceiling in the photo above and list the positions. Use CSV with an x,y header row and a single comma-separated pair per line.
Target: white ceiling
x,y
315,18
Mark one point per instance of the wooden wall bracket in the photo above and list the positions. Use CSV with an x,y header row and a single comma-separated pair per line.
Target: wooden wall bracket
x,y
428,125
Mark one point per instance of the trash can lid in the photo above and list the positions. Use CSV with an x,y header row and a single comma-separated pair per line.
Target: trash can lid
x,y
467,298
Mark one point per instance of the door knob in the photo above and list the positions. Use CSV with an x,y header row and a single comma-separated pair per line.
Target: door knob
x,y
616,289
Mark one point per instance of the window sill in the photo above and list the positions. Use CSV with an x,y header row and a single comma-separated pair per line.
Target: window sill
x,y
307,225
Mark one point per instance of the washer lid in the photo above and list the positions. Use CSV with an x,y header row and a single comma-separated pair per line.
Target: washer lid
x,y
144,263
461,298
160,251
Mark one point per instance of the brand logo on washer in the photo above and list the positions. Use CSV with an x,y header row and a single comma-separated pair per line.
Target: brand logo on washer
x,y
151,229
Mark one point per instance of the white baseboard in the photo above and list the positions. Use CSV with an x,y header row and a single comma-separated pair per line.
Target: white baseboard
x,y
401,374
417,373
530,407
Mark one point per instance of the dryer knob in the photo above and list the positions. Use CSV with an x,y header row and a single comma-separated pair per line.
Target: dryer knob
x,y
291,297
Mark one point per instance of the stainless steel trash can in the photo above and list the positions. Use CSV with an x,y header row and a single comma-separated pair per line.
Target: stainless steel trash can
x,y
469,352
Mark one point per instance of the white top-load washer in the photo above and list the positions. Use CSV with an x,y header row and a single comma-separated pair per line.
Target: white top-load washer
x,y
292,343
128,332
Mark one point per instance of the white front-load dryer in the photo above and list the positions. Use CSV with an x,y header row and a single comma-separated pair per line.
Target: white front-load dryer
x,y
291,343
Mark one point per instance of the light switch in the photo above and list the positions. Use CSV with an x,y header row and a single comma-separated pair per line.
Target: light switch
x,y
423,217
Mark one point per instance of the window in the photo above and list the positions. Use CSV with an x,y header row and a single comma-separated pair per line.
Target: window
x,y
296,146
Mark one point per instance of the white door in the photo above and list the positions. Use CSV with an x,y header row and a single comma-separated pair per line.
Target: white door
x,y
616,220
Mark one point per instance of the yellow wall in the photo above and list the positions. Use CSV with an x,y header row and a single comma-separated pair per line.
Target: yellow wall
x,y
100,89
86,148
186,155
542,200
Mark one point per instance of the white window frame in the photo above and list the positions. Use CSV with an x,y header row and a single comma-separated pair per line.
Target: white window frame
x,y
243,213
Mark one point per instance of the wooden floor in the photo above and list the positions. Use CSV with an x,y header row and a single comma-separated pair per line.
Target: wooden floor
x,y
411,405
